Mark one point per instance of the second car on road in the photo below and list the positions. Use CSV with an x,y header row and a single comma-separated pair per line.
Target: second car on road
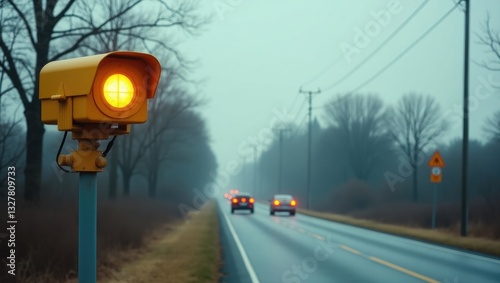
x,y
284,203
242,201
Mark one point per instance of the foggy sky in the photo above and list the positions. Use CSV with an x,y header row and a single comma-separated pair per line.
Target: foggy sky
x,y
255,55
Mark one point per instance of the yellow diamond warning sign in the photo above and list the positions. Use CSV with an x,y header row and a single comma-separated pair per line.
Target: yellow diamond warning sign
x,y
436,160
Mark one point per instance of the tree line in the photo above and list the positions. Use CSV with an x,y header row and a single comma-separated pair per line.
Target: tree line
x,y
386,147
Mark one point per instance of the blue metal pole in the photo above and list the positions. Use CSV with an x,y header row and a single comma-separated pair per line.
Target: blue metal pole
x,y
87,219
434,200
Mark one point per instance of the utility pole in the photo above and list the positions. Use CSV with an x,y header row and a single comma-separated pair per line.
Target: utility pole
x,y
309,146
465,141
280,158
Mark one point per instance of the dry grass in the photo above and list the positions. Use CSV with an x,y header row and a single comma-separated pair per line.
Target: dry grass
x,y
47,235
483,220
444,236
188,253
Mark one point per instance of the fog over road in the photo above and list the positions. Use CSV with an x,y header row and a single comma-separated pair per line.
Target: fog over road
x,y
263,248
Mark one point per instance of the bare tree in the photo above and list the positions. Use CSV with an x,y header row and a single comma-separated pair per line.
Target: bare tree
x,y
106,42
11,134
117,39
360,121
129,152
491,38
11,141
492,127
415,124
174,123
37,32
152,140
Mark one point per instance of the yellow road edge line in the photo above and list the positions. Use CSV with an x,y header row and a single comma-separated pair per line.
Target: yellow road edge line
x,y
351,250
402,269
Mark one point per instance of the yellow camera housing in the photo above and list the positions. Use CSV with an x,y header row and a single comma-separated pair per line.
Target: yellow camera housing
x,y
111,88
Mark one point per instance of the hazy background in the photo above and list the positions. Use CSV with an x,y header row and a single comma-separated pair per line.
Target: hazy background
x,y
255,55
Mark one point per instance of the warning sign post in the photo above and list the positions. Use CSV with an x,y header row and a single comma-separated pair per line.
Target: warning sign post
x,y
436,163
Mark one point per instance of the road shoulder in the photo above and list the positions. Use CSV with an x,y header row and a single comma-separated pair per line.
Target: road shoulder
x,y
189,252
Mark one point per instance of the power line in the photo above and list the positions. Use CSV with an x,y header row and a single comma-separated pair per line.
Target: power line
x,y
298,112
295,100
337,60
397,58
400,55
374,52
302,106
324,71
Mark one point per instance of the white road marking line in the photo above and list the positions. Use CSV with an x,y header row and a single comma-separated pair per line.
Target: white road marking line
x,y
249,267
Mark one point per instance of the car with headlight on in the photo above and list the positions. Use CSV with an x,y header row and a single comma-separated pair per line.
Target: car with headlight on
x,y
242,201
283,203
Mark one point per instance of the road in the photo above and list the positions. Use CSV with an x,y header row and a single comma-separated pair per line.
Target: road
x,y
269,249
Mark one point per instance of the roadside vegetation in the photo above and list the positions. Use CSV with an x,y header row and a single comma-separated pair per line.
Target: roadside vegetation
x,y
354,204
138,240
189,251
47,235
